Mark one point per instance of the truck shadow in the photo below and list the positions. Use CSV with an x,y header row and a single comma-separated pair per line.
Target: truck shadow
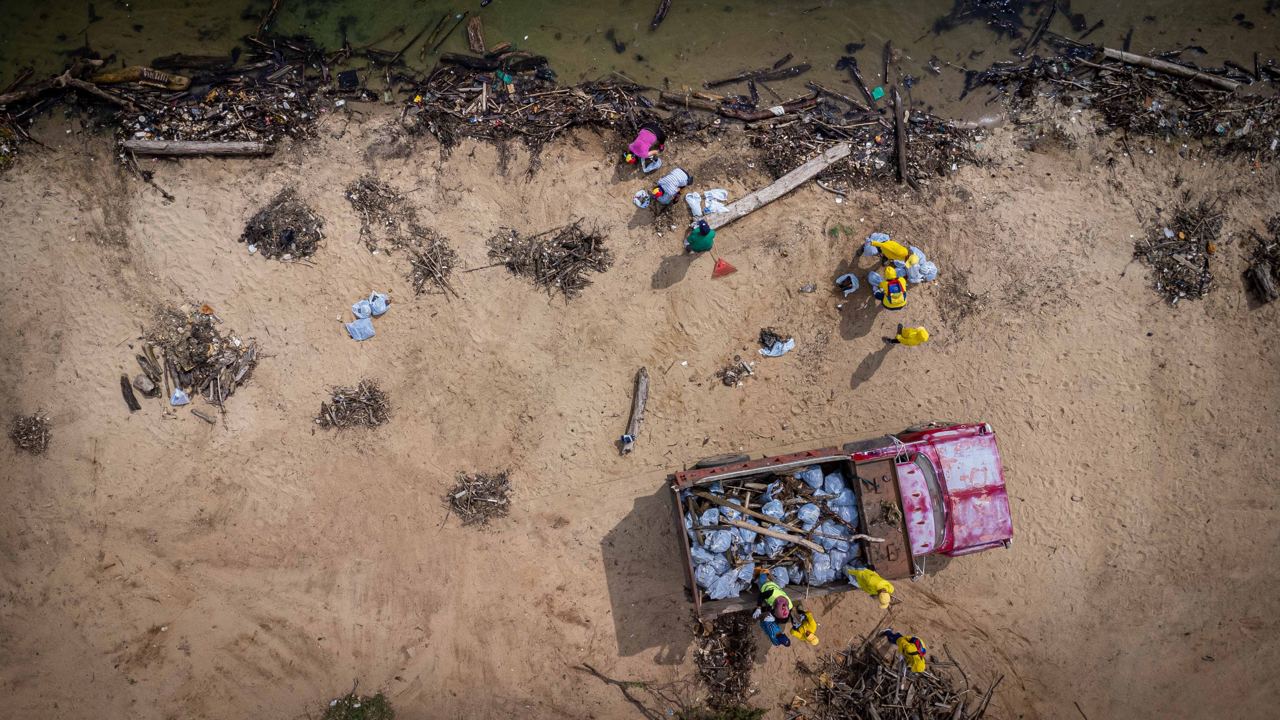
x,y
644,572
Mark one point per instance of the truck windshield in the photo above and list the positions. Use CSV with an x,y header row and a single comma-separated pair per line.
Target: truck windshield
x,y
935,497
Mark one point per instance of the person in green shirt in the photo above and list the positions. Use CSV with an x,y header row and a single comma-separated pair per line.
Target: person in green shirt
x,y
701,237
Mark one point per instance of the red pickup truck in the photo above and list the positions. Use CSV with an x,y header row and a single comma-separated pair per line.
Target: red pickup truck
x,y
932,490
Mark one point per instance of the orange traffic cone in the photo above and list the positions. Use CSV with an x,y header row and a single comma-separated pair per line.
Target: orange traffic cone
x,y
722,268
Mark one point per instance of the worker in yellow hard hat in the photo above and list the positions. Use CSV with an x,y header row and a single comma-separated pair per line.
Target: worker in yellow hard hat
x,y
804,626
870,582
892,291
911,647
910,337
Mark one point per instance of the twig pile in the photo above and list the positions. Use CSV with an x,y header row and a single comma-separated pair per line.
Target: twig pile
x,y
286,228
30,432
365,405
1143,102
861,682
556,259
457,102
1263,274
1178,252
724,658
431,261
386,218
184,349
479,498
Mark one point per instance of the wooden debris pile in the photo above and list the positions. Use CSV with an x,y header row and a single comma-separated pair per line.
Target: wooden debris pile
x,y
869,680
557,259
515,96
30,433
1154,101
480,497
724,655
184,350
365,405
1178,251
286,229
358,707
431,262
1263,274
388,222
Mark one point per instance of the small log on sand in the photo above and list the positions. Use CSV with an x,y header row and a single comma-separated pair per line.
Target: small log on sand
x,y
780,187
176,148
1169,68
637,410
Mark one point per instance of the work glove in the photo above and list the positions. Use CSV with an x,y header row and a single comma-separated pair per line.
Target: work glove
x,y
756,615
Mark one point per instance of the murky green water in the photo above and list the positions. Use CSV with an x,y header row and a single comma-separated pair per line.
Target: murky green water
x,y
700,39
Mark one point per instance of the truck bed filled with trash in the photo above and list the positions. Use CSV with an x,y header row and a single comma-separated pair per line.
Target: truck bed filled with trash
x,y
802,523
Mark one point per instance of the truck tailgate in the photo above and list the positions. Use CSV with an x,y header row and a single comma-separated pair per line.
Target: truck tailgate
x,y
880,500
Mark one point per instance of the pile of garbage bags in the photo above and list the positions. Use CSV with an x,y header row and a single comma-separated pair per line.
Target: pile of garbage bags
x,y
725,558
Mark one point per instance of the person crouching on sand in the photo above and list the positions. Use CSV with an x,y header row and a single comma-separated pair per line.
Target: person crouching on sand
x,y
644,150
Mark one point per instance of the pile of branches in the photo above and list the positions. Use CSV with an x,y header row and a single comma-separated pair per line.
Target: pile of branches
x,y
502,99
1144,102
184,350
724,656
365,405
934,147
869,682
1178,251
1263,274
557,259
287,228
389,222
30,433
479,498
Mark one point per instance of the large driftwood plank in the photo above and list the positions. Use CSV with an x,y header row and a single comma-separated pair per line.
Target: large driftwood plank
x,y
783,185
196,147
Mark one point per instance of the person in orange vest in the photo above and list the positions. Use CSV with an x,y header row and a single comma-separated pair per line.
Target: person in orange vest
x,y
892,291
910,337
911,647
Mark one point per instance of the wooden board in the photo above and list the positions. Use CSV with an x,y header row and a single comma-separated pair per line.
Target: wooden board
x,y
878,483
783,185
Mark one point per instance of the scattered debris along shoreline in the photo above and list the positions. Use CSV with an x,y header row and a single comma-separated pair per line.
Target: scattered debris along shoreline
x,y
365,405
30,433
480,497
185,354
388,222
1263,274
1178,252
286,229
724,655
1149,96
864,682
557,259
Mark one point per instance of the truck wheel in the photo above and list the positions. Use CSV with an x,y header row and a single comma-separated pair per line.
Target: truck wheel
x,y
934,564
718,460
930,425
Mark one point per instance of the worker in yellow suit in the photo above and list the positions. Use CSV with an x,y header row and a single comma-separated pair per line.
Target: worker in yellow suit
x,y
909,336
870,582
911,647
894,251
892,291
803,626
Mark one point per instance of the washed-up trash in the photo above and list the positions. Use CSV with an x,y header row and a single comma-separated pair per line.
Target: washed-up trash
x,y
179,397
848,284
780,348
361,329
642,199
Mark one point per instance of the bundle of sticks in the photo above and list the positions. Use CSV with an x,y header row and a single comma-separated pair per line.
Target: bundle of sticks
x,y
480,497
870,680
185,350
389,222
557,259
725,648
1178,251
431,262
30,433
1263,274
365,405
519,99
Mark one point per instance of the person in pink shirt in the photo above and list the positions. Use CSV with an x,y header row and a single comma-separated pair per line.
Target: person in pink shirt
x,y
644,150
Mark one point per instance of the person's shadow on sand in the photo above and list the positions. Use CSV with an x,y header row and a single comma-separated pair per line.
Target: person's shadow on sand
x,y
858,315
868,367
672,270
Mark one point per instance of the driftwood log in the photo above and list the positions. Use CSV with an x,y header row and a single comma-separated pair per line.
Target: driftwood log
x,y
660,14
475,35
184,148
1169,68
900,137
775,534
637,411
1262,278
783,185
